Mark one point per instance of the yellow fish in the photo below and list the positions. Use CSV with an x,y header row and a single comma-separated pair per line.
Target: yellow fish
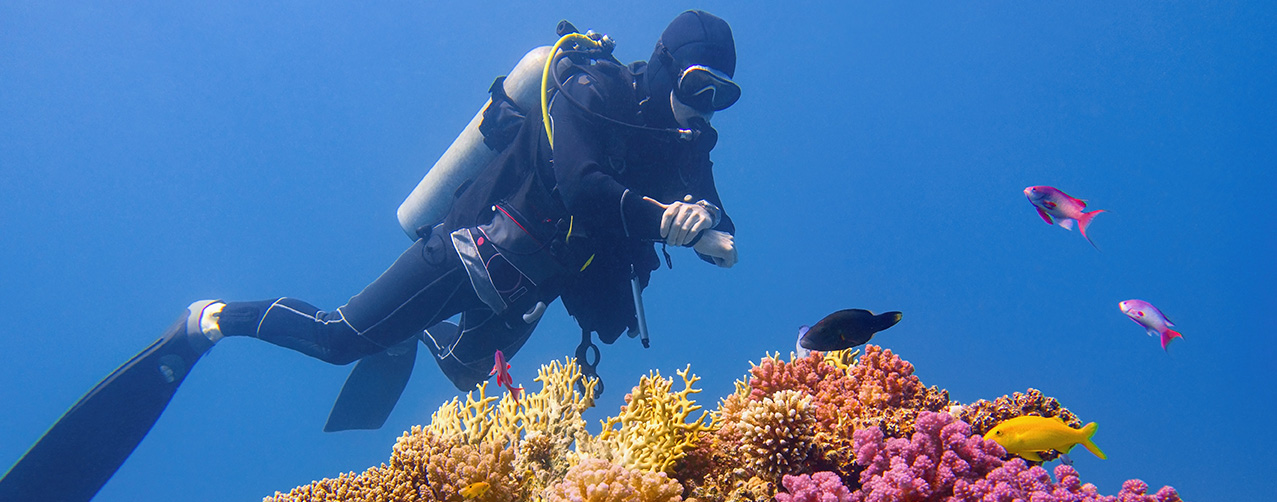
x,y
1027,435
474,490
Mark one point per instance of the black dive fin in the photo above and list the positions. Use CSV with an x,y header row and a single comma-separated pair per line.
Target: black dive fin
x,y
373,388
88,444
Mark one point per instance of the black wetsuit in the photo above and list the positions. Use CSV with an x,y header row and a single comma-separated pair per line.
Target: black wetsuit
x,y
602,171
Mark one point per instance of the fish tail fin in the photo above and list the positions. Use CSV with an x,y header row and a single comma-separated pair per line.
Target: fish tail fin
x,y
1169,335
1085,221
1087,432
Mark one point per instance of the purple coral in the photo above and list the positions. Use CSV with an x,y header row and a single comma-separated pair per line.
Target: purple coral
x,y
1015,480
823,486
969,469
941,452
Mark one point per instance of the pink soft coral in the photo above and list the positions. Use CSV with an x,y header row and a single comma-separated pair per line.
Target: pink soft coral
x,y
943,461
940,453
823,486
1015,480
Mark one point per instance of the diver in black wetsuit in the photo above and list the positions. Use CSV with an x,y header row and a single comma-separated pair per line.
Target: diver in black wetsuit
x,y
629,168
611,193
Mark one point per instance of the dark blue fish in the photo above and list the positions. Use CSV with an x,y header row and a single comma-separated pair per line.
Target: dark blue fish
x,y
845,329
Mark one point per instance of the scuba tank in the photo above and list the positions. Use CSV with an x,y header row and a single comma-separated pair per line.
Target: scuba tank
x,y
430,201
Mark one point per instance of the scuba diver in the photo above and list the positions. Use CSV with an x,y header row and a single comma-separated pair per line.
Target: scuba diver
x,y
567,200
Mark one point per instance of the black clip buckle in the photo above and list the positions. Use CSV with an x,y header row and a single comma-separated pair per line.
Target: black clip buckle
x,y
588,369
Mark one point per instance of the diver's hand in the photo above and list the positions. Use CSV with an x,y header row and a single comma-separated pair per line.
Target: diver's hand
x,y
683,221
719,246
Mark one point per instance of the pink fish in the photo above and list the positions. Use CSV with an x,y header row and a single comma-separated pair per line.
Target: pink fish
x,y
501,370
1052,202
1153,320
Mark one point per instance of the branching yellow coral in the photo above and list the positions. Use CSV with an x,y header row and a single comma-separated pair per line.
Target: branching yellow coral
x,y
551,422
597,480
652,432
555,409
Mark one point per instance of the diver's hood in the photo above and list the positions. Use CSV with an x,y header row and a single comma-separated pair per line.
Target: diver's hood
x,y
694,37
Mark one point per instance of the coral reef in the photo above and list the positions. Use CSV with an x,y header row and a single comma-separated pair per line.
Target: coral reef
x,y
829,427
652,432
941,453
423,467
823,486
778,434
984,415
1015,480
597,480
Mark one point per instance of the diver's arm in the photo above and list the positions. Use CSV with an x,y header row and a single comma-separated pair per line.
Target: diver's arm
x,y
708,192
717,245
587,189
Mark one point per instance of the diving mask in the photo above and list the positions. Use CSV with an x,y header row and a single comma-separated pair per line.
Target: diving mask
x,y
706,89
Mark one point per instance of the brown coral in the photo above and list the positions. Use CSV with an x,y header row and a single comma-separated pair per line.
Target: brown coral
x,y
984,415
423,467
597,480
779,434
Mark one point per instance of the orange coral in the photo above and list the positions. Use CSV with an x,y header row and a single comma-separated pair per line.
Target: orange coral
x,y
422,467
597,480
891,393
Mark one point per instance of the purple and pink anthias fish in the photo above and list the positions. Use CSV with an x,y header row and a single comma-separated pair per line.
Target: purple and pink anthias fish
x,y
502,370
1051,202
1153,320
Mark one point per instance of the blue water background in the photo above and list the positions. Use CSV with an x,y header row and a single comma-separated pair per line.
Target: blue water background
x,y
157,153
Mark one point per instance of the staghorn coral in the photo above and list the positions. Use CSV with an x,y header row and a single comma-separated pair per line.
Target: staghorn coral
x,y
822,486
652,432
554,410
551,423
597,480
1015,480
422,467
940,453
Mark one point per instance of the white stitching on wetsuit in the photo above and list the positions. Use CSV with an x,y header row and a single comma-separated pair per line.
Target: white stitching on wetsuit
x,y
405,302
264,314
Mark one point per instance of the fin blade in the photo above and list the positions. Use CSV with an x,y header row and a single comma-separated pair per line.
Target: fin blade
x,y
74,458
373,388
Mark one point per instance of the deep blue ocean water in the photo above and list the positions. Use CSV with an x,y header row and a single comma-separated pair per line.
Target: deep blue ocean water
x,y
153,154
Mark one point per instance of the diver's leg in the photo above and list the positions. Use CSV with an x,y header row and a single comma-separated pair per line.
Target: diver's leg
x,y
424,286
465,354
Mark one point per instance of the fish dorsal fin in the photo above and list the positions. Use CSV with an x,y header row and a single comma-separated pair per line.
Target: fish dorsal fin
x,y
1080,202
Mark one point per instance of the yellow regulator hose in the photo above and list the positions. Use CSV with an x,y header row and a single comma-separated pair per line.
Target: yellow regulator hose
x,y
545,77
